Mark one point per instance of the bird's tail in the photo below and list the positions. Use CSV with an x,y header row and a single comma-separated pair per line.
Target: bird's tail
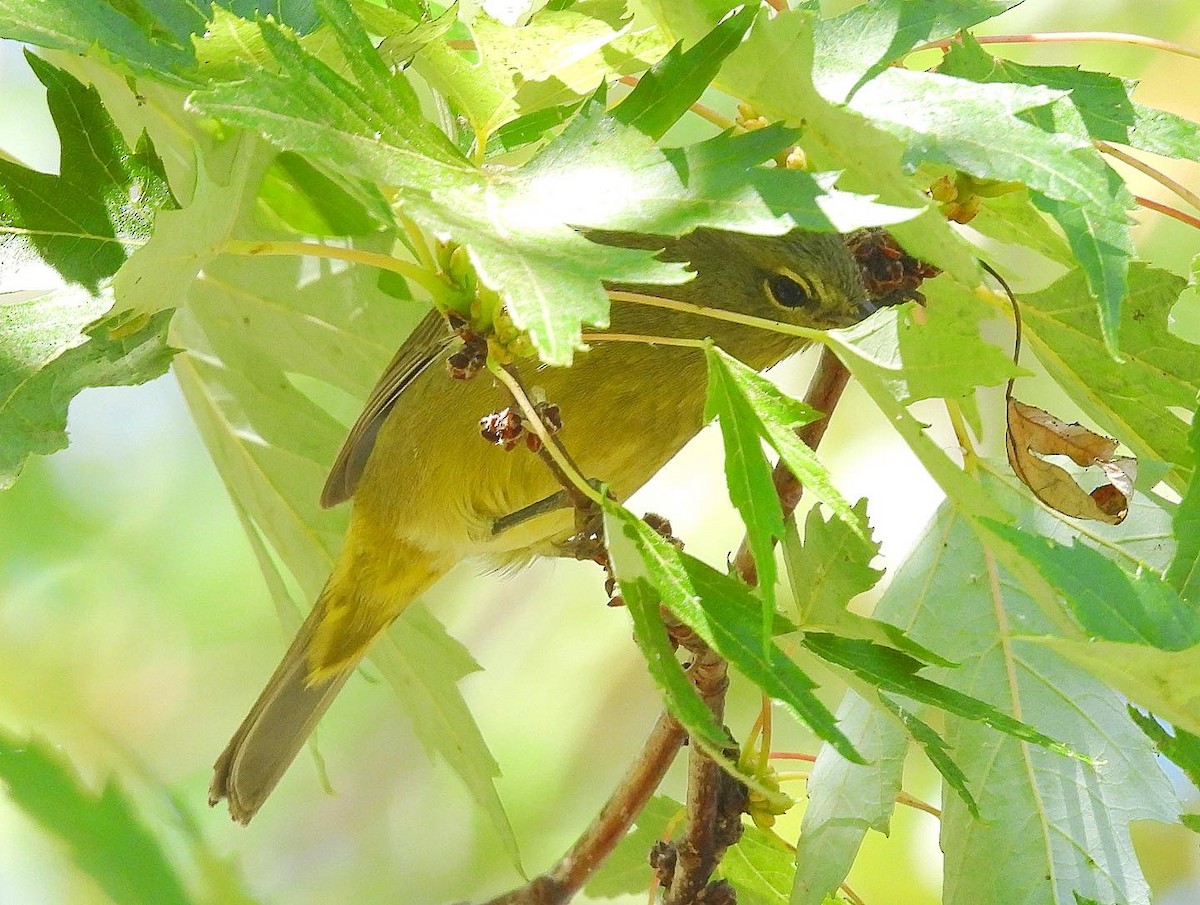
x,y
361,598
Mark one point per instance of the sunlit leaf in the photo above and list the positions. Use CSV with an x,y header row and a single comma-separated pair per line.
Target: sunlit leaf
x,y
84,221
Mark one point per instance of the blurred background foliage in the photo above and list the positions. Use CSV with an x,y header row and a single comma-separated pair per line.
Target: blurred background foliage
x,y
135,628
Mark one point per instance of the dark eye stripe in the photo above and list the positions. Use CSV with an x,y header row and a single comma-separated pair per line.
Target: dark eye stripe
x,y
787,291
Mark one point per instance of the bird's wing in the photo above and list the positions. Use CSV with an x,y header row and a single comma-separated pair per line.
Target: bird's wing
x,y
424,345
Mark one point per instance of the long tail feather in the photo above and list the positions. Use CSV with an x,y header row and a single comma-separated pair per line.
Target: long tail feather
x,y
366,591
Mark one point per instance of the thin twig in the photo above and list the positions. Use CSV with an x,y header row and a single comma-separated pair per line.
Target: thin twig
x,y
418,274
1153,172
1072,37
823,394
1179,215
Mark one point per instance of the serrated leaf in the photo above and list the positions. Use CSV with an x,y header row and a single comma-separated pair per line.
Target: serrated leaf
x,y
831,567
936,750
516,223
129,36
774,416
626,871
1044,811
678,80
1131,400
894,671
857,45
957,122
945,356
643,601
105,836
748,475
1109,603
724,613
83,221
760,868
1098,106
773,71
52,347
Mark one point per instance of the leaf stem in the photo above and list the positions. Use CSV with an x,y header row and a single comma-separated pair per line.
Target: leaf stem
x,y
749,320
1157,175
1174,213
415,272
1073,37
420,247
918,804
959,425
649,340
794,755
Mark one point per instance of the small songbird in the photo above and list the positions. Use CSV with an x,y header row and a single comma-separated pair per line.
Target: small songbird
x,y
427,493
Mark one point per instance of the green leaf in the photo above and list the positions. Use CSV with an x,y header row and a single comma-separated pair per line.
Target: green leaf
x,y
1131,400
527,129
774,416
162,272
517,223
105,836
627,870
1012,218
306,200
1098,106
747,474
846,800
828,570
888,669
678,80
943,357
760,868
1182,748
860,43
773,71
722,612
936,750
1049,813
957,122
1183,574
1110,604
642,599
82,221
124,33
52,347
557,59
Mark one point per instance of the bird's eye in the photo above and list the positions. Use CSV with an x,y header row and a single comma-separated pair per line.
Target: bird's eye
x,y
788,291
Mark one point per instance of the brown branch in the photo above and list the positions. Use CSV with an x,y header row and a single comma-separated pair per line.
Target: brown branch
x,y
823,394
567,877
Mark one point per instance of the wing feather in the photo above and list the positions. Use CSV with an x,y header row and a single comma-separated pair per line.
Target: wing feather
x,y
425,344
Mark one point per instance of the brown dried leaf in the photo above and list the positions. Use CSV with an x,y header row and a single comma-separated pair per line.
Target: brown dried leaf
x,y
1033,433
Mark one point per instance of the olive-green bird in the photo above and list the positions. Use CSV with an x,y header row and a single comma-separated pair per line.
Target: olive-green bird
x,y
426,491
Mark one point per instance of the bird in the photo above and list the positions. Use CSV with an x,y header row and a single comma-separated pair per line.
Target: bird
x,y
426,492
